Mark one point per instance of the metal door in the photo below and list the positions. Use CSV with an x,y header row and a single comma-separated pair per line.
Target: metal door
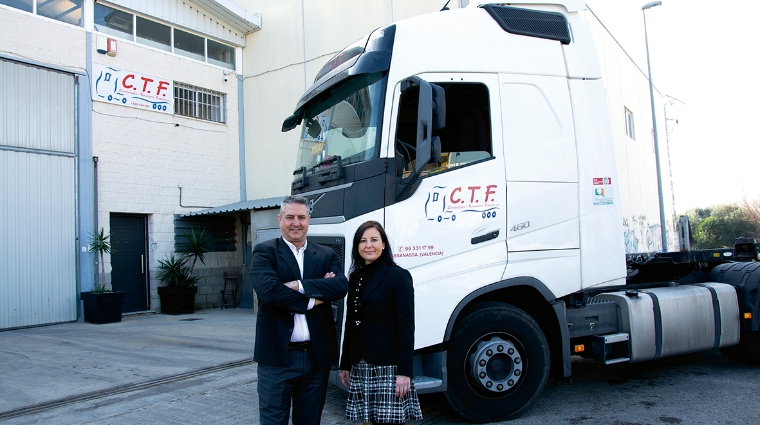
x,y
129,260
38,246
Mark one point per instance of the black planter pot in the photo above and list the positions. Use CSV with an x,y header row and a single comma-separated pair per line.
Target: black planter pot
x,y
103,308
177,300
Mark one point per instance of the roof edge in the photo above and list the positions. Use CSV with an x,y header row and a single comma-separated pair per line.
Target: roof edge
x,y
252,205
242,19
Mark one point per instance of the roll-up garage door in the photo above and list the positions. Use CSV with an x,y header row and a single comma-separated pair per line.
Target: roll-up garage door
x,y
37,196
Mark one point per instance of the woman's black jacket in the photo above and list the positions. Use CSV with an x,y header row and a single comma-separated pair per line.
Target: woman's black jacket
x,y
380,329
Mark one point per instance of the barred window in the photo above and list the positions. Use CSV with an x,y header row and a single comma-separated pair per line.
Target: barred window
x,y
197,102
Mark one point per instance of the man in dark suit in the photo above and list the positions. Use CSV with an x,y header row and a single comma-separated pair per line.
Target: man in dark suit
x,y
295,334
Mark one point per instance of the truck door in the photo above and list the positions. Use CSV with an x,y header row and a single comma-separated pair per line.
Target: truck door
x,y
450,233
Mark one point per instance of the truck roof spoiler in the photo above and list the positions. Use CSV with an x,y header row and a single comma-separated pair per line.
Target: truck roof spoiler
x,y
569,5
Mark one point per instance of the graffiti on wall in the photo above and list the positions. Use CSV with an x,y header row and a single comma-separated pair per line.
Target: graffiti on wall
x,y
640,235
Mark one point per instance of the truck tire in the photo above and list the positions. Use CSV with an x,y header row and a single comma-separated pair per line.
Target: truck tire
x,y
748,350
498,363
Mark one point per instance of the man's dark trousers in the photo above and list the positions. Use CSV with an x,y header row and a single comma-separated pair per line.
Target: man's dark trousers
x,y
302,381
286,374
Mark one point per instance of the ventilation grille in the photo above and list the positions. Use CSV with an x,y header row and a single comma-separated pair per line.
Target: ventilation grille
x,y
594,300
531,23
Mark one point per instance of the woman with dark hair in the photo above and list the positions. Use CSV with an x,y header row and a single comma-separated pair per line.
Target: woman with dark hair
x,y
378,339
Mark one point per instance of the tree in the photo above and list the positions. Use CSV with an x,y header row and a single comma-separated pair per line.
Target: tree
x,y
718,226
696,216
752,209
99,244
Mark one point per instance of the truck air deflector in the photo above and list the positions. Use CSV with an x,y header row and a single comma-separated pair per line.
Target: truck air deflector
x,y
375,56
531,23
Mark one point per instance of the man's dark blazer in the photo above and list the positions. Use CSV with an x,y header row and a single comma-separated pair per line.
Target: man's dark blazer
x,y
273,264
387,321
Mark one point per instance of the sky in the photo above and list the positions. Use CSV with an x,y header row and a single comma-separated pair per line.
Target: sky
x,y
704,54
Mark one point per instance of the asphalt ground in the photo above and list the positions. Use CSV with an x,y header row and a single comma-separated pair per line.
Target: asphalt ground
x,y
197,369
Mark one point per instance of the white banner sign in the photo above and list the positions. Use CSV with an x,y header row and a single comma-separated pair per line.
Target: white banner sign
x,y
132,89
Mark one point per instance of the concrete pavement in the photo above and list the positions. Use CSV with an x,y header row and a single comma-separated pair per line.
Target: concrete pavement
x,y
197,369
60,364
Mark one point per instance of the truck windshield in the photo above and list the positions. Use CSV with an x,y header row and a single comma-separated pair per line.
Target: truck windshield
x,y
344,121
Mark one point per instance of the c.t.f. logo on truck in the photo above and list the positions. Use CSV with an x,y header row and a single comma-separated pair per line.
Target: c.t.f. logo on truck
x,y
442,204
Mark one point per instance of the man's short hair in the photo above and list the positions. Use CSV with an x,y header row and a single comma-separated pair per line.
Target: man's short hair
x,y
293,199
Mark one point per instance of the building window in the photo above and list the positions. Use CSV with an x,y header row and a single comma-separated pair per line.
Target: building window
x,y
189,45
196,102
25,5
221,229
112,21
221,54
69,11
154,34
151,33
629,124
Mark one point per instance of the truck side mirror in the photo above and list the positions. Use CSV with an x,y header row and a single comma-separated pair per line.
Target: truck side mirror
x,y
439,107
291,122
435,155
424,125
431,115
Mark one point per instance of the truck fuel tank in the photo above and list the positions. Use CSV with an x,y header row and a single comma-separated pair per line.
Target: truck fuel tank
x,y
675,320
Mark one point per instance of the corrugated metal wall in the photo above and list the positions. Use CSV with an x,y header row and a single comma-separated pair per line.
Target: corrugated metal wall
x,y
37,196
185,15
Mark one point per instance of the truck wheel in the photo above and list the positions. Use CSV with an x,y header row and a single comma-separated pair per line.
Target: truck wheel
x,y
498,364
748,350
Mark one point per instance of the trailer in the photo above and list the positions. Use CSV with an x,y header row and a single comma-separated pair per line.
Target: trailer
x,y
482,139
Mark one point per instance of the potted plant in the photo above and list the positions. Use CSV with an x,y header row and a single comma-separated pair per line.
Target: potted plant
x,y
176,273
102,305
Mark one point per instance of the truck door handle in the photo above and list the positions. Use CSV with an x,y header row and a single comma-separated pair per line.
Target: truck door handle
x,y
487,237
142,264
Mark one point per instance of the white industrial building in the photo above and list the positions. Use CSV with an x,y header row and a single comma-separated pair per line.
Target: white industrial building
x,y
194,126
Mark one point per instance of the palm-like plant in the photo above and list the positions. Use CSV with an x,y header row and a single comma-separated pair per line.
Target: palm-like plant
x,y
99,243
196,247
178,271
175,272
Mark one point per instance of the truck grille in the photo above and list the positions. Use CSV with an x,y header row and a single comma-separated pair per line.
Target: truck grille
x,y
338,245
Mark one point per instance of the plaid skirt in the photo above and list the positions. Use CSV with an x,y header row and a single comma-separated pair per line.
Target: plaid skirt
x,y
372,396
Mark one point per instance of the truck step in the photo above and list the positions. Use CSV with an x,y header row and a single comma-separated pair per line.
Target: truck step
x,y
619,360
425,382
613,338
611,348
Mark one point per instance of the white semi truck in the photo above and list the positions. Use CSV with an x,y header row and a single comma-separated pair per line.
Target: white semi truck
x,y
481,139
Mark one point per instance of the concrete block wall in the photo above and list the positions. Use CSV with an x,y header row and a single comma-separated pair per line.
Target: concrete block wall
x,y
211,284
143,156
42,39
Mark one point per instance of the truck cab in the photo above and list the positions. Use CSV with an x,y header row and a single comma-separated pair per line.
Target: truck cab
x,y
481,139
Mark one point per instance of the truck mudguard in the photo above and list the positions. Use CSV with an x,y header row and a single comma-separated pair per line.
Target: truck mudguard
x,y
557,306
